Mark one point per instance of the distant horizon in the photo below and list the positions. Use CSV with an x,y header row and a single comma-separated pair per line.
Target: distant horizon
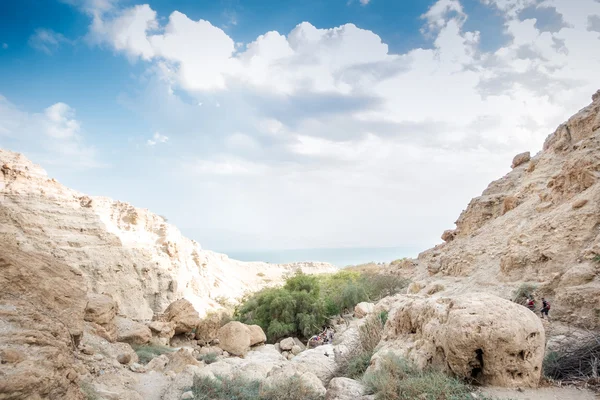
x,y
338,256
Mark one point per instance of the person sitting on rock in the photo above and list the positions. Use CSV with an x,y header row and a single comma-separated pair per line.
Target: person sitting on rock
x,y
531,304
545,308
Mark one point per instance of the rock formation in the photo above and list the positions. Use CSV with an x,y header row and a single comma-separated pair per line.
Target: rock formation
x,y
538,225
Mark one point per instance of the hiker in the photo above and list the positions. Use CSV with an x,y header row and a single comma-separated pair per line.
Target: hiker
x,y
545,308
531,304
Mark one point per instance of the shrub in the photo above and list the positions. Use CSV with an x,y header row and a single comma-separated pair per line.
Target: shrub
x,y
379,286
397,379
358,365
239,388
370,335
208,358
576,363
89,391
597,258
147,352
523,292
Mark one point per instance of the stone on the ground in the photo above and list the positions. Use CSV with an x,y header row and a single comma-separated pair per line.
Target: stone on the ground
x,y
183,314
124,358
208,328
473,336
135,367
521,159
180,360
187,396
320,361
281,373
162,330
296,350
299,344
344,389
132,332
362,309
100,308
235,338
287,344
257,335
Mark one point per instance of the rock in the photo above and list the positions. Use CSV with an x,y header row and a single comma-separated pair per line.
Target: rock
x,y
162,330
287,344
277,347
235,338
124,358
138,368
187,396
285,354
579,203
98,357
299,344
183,314
320,361
296,350
257,335
344,389
208,328
521,159
281,373
211,350
362,309
100,309
448,235
290,356
180,360
473,336
509,203
87,350
158,363
132,332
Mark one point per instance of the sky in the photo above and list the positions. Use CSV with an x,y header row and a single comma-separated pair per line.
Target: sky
x,y
292,124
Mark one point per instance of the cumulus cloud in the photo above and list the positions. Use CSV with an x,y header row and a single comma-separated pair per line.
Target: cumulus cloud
x,y
156,139
318,124
47,40
52,136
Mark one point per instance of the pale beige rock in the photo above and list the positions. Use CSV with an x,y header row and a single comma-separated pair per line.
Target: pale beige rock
x,y
296,350
132,332
448,235
414,287
344,389
287,344
180,360
579,203
361,310
257,335
124,358
164,331
287,371
100,309
521,159
235,338
208,328
474,336
320,361
183,314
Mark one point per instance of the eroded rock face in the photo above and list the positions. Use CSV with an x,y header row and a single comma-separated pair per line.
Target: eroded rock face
x,y
42,307
235,338
475,336
183,315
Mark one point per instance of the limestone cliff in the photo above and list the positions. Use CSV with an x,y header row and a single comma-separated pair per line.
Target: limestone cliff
x,y
539,224
135,256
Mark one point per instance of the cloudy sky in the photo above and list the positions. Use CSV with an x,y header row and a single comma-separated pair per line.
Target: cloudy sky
x,y
292,124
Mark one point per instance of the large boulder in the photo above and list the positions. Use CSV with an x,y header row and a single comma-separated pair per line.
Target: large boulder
x,y
100,309
208,328
132,332
320,361
257,335
473,336
184,315
362,309
287,344
344,389
162,331
235,338
521,159
287,371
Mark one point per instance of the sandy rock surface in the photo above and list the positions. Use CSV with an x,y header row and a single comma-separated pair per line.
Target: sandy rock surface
x,y
235,338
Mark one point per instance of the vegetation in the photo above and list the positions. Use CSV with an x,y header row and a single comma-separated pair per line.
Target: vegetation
x,y
580,363
89,391
302,306
370,334
147,352
397,379
208,358
239,388
523,292
597,258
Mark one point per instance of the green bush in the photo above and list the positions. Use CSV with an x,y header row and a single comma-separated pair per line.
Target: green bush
x,y
302,306
147,352
358,365
89,391
397,379
239,388
208,358
523,292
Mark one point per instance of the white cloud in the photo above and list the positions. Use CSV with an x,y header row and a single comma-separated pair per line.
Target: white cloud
x,y
330,130
156,139
52,137
365,2
47,40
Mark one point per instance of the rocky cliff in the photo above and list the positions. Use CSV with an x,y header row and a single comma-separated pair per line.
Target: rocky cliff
x,y
131,254
539,224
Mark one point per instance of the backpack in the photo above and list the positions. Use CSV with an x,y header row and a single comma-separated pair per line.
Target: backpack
x,y
546,305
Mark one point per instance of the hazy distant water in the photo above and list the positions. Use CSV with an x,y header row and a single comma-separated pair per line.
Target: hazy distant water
x,y
338,257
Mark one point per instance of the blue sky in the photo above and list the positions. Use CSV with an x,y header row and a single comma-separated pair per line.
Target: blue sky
x,y
292,124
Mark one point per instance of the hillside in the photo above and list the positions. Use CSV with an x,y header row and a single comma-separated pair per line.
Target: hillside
x,y
539,224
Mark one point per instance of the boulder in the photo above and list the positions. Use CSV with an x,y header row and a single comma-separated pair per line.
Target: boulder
x,y
100,309
183,314
473,336
362,309
299,344
132,332
124,358
296,350
257,335
320,361
521,159
287,371
208,328
179,360
162,330
287,344
344,389
235,338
